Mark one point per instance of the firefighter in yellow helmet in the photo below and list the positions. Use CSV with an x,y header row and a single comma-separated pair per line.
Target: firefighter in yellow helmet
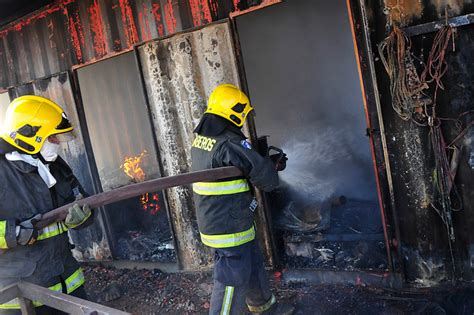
x,y
225,208
34,181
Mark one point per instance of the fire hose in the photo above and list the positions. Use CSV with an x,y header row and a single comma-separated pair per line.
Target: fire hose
x,y
134,190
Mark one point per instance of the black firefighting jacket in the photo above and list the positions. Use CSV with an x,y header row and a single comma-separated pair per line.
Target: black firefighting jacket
x,y
225,208
23,194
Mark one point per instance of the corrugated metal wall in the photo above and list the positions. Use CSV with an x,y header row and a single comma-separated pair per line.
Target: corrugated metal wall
x,y
72,32
180,72
91,243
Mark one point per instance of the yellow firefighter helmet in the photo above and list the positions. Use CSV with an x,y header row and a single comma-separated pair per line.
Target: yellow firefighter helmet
x,y
30,120
230,102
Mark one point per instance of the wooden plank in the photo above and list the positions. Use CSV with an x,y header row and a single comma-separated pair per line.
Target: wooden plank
x,y
64,302
26,306
9,293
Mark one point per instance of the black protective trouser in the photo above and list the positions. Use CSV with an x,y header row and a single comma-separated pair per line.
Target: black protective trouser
x,y
239,278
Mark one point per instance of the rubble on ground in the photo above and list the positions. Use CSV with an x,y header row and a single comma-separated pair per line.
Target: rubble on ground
x,y
155,292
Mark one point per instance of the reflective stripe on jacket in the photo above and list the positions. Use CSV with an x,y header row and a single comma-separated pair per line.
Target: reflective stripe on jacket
x,y
52,230
229,240
221,188
223,206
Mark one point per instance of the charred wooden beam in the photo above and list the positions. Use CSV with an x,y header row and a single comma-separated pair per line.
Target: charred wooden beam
x,y
373,279
316,238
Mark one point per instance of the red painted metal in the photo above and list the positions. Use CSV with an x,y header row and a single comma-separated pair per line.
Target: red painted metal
x,y
200,12
169,17
236,5
77,36
265,3
214,7
72,32
128,23
156,10
144,21
97,28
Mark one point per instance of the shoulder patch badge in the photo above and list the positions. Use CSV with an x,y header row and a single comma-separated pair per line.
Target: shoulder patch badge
x,y
246,144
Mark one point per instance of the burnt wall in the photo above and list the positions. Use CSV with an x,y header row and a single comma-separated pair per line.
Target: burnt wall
x,y
72,32
179,73
423,235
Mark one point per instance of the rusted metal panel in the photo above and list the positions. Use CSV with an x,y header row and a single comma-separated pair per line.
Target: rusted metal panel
x,y
180,72
72,32
91,242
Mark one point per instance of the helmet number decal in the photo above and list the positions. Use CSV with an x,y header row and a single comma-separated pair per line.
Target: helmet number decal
x,y
38,139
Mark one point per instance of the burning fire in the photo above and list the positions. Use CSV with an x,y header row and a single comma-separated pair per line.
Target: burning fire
x,y
131,167
150,202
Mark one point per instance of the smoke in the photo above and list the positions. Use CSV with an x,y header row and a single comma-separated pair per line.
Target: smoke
x,y
304,85
325,163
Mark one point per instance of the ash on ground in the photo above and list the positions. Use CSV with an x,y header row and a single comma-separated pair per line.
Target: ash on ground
x,y
347,236
155,292
154,246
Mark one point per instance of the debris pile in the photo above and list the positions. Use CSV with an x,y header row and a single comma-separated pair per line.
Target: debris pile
x,y
155,292
156,245
148,291
352,239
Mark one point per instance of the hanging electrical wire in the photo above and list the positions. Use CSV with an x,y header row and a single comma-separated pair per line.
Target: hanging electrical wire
x,y
406,88
409,98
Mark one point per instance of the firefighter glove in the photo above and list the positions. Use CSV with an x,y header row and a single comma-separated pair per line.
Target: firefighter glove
x,y
26,234
77,215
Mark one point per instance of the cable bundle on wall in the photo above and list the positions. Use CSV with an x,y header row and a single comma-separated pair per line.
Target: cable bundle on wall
x,y
410,102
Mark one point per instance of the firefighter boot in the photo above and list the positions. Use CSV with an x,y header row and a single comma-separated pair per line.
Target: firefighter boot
x,y
280,309
272,307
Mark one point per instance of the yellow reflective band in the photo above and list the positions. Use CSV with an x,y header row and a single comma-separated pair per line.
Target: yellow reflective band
x,y
228,240
15,304
52,230
221,188
3,231
264,307
227,301
75,280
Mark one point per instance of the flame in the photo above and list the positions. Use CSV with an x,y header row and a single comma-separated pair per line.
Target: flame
x,y
150,202
131,167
